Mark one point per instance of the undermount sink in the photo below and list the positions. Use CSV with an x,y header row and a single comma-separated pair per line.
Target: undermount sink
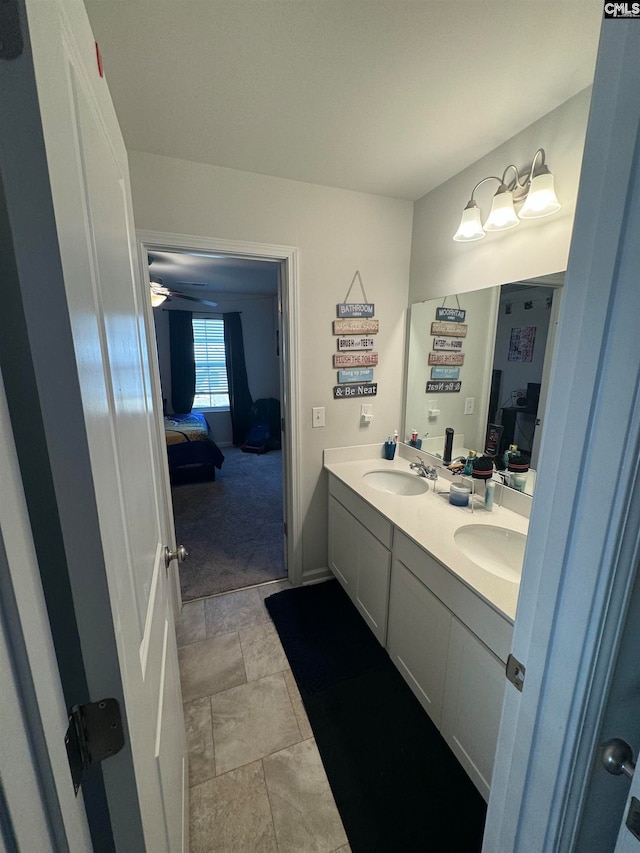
x,y
396,482
495,549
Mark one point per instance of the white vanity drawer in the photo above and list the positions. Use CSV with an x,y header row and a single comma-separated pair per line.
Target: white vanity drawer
x,y
494,630
366,515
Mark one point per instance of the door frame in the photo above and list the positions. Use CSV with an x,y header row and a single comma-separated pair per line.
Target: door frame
x,y
287,256
584,536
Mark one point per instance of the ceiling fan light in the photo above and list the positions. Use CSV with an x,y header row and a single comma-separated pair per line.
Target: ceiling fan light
x,y
470,227
157,298
541,199
502,215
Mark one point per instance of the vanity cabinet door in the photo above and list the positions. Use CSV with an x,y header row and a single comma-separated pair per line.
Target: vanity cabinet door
x,y
343,551
362,564
418,638
372,590
472,704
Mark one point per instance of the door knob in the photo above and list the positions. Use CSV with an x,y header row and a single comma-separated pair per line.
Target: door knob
x,y
617,757
180,554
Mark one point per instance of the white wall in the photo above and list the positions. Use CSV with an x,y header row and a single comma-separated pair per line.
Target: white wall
x,y
537,247
259,323
337,232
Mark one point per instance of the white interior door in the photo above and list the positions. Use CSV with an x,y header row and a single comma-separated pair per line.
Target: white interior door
x,y
107,361
38,808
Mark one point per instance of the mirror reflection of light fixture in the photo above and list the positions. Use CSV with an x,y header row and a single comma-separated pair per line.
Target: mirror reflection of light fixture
x,y
536,191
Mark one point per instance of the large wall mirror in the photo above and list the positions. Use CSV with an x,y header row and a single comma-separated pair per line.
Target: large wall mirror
x,y
506,351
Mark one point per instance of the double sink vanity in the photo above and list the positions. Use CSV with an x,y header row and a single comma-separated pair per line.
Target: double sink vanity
x,y
437,584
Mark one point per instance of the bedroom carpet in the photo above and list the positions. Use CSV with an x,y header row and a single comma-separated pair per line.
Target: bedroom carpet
x,y
232,528
397,785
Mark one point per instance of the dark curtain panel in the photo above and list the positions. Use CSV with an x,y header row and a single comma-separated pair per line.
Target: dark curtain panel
x,y
183,366
240,401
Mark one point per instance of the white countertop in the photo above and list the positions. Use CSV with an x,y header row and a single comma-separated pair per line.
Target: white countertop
x,y
431,521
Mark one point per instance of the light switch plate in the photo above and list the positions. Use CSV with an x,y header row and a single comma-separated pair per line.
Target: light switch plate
x,y
317,417
469,405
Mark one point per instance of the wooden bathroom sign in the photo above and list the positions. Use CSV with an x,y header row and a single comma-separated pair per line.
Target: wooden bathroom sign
x,y
368,389
443,387
457,330
445,373
451,359
356,309
346,343
454,315
454,344
356,327
353,359
356,374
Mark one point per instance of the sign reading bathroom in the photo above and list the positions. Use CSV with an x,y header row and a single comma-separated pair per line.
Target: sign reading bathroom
x,y
451,359
354,359
356,327
454,315
341,392
443,387
345,343
356,374
457,330
356,309
454,344
445,372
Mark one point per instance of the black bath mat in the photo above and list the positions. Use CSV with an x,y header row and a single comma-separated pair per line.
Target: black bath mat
x,y
397,785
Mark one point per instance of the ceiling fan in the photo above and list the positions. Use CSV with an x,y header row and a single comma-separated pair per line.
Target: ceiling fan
x,y
160,293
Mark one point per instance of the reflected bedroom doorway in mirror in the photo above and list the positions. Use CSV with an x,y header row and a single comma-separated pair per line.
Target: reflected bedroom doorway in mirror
x,y
220,323
525,339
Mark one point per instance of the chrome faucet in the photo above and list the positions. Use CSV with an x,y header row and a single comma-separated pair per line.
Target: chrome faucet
x,y
430,472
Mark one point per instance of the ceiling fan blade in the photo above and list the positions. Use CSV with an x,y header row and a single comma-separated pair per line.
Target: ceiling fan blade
x,y
193,299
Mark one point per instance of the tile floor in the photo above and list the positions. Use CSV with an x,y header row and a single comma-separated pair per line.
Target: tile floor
x,y
257,784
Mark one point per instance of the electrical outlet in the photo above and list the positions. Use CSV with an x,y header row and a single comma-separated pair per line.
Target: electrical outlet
x,y
317,417
366,413
469,405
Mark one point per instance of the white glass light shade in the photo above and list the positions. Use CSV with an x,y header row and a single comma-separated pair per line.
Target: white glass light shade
x,y
541,198
502,215
157,299
470,227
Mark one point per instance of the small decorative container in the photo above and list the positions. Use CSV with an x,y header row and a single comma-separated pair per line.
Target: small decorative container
x,y
459,494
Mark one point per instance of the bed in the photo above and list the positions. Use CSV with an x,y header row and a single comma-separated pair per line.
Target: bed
x,y
189,443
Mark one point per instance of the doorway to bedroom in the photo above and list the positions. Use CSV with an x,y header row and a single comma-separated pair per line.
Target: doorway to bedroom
x,y
218,335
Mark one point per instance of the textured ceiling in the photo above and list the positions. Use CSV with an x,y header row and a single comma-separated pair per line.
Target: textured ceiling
x,y
382,96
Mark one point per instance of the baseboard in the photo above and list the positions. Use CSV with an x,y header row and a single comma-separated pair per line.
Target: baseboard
x,y
324,573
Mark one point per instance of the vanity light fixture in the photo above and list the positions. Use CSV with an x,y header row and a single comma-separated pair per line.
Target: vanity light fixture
x,y
536,194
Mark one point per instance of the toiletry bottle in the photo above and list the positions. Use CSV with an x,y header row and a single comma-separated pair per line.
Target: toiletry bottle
x,y
448,445
414,438
395,436
468,465
389,449
489,494
512,450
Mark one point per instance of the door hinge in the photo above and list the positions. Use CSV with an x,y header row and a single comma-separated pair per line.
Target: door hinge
x,y
94,733
285,528
282,425
10,36
515,672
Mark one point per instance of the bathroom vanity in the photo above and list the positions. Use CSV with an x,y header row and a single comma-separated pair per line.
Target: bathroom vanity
x,y
445,617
